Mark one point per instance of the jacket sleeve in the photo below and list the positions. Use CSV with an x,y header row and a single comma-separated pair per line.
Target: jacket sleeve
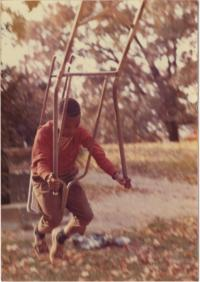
x,y
97,152
41,154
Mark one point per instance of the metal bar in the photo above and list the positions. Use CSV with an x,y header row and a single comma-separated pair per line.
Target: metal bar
x,y
66,80
67,187
30,190
57,87
66,89
29,200
102,73
115,88
55,134
132,33
96,126
119,132
64,110
56,137
65,86
47,91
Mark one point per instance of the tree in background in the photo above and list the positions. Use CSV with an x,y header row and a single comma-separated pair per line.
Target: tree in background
x,y
154,82
159,71
173,25
20,108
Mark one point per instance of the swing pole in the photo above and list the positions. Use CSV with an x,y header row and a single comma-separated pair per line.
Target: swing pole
x,y
56,91
67,187
67,77
96,125
28,207
47,91
64,108
89,74
132,33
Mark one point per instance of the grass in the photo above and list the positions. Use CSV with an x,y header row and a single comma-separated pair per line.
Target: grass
x,y
174,161
164,250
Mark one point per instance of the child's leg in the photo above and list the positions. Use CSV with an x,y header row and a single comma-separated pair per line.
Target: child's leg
x,y
78,204
52,215
40,244
50,206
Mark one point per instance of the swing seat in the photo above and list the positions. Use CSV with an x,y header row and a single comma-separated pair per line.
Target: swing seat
x,y
32,204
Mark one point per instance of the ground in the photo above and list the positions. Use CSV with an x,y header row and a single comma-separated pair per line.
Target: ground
x,y
159,215
164,250
137,207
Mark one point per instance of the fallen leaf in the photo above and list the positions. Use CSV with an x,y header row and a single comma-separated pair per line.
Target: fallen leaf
x,y
13,247
115,273
12,269
85,274
132,259
88,267
146,270
29,260
33,269
145,255
156,243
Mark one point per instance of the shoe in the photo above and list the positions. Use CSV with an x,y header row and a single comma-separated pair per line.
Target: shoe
x,y
40,246
57,249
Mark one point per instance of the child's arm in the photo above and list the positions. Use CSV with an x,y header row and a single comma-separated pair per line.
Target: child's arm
x,y
124,182
100,157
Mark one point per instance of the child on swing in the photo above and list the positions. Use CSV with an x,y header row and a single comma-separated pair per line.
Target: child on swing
x,y
74,136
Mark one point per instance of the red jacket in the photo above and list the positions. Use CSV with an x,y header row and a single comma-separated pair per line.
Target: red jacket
x,y
42,152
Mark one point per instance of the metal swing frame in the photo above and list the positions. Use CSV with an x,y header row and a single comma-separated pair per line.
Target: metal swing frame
x,y
68,75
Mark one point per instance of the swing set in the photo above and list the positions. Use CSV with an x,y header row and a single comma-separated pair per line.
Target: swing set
x,y
31,204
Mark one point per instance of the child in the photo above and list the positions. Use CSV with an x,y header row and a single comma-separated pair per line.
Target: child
x,y
44,183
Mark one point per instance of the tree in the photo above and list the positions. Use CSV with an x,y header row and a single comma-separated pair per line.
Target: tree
x,y
20,108
160,91
173,23
154,82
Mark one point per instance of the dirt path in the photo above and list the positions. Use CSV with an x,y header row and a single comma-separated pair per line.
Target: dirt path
x,y
153,198
127,209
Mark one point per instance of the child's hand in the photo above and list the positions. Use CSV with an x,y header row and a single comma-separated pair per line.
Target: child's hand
x,y
54,184
121,180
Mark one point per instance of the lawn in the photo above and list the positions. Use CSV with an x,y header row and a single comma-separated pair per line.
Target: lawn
x,y
164,250
174,161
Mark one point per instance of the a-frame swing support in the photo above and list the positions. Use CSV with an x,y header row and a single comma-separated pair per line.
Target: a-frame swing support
x,y
69,75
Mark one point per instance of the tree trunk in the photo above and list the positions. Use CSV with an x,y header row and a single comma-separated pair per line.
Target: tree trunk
x,y
172,129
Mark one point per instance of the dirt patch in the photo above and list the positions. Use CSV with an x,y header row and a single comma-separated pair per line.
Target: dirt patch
x,y
151,198
118,209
